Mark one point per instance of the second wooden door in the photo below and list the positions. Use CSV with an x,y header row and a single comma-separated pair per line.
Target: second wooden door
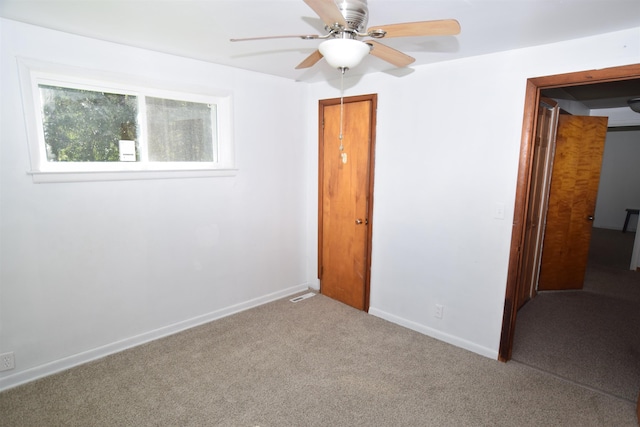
x,y
572,201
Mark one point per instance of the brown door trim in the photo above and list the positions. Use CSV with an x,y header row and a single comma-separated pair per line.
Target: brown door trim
x,y
374,106
532,96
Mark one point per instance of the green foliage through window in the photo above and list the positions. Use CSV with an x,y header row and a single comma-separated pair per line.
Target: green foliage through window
x,y
85,126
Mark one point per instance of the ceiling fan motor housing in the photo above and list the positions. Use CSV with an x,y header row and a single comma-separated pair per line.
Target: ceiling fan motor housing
x,y
346,21
356,13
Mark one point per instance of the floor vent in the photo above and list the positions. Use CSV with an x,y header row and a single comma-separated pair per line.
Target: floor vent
x,y
301,297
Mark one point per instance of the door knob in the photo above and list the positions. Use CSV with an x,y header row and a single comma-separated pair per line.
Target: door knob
x,y
358,221
590,217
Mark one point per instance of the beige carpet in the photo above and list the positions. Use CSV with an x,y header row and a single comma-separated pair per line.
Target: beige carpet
x,y
591,336
312,363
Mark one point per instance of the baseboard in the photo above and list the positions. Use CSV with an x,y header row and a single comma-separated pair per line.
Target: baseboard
x,y
434,333
56,366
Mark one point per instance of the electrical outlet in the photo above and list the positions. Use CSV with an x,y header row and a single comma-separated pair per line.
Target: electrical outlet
x,y
7,361
439,311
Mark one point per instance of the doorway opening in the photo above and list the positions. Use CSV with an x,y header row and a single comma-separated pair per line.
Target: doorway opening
x,y
516,273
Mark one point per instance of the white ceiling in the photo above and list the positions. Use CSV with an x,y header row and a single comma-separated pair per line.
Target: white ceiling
x,y
201,29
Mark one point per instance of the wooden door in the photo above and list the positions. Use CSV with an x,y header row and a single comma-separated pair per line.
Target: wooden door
x,y
572,201
544,145
345,198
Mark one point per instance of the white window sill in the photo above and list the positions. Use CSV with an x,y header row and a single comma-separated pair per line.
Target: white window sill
x,y
40,177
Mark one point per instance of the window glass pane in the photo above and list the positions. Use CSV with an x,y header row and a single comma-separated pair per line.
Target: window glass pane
x,y
86,126
180,131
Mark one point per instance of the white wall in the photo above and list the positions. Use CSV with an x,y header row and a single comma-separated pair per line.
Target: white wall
x,y
91,268
620,116
619,186
448,141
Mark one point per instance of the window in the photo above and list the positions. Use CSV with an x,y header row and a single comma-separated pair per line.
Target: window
x,y
180,131
86,128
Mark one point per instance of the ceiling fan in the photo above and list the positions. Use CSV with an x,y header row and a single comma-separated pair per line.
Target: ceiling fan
x,y
345,22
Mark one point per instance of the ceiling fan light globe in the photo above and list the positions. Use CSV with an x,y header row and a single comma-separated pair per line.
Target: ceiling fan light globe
x,y
344,53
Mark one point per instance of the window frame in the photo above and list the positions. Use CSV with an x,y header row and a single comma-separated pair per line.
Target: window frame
x,y
35,73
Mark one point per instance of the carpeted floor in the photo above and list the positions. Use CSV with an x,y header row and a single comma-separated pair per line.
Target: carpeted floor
x,y
592,336
316,362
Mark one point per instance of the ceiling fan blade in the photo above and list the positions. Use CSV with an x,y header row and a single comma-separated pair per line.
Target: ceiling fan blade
x,y
301,36
310,60
389,54
328,12
443,27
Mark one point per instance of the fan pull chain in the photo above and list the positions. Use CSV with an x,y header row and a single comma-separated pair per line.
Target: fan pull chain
x,y
341,107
